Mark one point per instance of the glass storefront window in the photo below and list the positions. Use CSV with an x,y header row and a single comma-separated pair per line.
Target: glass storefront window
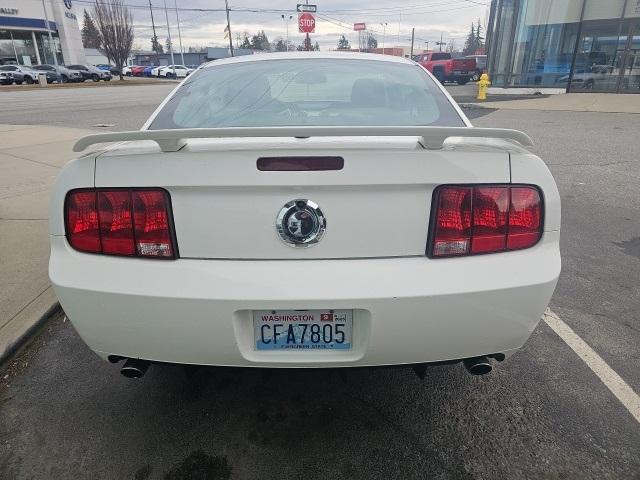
x,y
544,43
598,59
631,73
24,47
18,47
46,49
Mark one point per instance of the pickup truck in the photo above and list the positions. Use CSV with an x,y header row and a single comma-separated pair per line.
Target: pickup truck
x,y
447,69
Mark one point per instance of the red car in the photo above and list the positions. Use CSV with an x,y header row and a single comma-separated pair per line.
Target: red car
x,y
137,71
447,69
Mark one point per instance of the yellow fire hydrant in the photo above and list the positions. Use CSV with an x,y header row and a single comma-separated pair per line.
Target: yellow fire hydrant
x,y
483,86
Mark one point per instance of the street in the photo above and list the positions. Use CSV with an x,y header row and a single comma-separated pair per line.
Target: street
x,y
543,413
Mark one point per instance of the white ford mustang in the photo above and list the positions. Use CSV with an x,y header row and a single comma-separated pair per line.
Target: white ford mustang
x,y
306,210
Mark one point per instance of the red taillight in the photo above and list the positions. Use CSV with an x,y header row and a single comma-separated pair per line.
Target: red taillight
x,y
485,219
127,222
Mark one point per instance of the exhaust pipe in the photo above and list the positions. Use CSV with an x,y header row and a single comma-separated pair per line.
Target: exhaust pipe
x,y
134,368
477,365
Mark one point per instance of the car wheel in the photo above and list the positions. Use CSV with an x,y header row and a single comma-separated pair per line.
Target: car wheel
x,y
439,74
107,79
95,77
128,74
64,79
589,84
28,80
475,77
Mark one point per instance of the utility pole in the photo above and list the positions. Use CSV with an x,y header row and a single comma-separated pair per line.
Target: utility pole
x,y
427,42
173,62
155,37
175,4
51,45
226,6
440,43
413,36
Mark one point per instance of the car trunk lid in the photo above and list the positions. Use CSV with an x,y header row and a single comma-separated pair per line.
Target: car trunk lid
x,y
377,205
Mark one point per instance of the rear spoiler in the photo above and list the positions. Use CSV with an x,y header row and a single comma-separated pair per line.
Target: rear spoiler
x,y
431,137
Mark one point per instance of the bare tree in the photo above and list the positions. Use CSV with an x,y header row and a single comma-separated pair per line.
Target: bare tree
x,y
115,30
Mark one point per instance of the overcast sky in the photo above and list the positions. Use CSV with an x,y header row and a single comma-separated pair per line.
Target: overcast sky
x,y
430,18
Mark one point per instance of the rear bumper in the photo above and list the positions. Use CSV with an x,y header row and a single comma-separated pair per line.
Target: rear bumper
x,y
406,310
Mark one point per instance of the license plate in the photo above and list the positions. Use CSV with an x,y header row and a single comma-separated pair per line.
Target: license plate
x,y
302,329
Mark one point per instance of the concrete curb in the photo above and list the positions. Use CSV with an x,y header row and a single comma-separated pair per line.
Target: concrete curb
x,y
25,326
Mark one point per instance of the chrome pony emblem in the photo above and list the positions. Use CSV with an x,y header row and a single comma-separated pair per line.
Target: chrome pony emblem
x,y
301,223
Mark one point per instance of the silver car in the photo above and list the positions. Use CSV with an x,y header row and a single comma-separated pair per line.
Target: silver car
x,y
18,74
66,74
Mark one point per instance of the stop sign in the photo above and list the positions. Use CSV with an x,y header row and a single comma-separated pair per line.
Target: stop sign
x,y
306,23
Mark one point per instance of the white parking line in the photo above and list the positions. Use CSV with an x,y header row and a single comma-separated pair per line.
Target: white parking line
x,y
609,377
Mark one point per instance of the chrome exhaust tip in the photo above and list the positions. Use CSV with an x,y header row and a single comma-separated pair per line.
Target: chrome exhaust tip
x,y
134,368
477,365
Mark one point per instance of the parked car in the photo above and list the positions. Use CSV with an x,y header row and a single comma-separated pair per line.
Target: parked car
x,y
66,74
155,70
6,78
19,74
481,66
147,72
372,238
601,77
447,69
171,71
89,72
110,68
138,70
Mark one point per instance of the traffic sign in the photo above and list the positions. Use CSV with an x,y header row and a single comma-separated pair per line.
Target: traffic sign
x,y
306,23
359,26
303,7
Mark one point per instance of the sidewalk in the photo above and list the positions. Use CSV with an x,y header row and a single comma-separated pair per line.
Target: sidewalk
x,y
572,102
30,159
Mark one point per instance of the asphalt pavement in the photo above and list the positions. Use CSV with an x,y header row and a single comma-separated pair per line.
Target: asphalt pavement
x,y
543,413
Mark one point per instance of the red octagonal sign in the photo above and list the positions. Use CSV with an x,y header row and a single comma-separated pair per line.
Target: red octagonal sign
x,y
306,23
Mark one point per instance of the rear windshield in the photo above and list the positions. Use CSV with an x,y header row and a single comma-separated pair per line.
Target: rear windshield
x,y
313,92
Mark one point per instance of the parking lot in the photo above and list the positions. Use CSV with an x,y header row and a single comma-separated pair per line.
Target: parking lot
x,y
544,413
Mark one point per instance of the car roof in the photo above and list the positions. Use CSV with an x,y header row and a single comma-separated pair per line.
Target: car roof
x,y
261,57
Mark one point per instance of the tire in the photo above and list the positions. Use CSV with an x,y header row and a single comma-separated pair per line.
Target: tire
x,y
475,77
439,74
589,84
107,79
65,79
28,80
128,74
95,77
18,82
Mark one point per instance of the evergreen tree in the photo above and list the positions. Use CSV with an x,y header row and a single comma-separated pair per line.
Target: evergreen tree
x,y
168,45
260,41
246,43
343,43
372,42
470,42
281,45
316,47
156,46
479,37
90,37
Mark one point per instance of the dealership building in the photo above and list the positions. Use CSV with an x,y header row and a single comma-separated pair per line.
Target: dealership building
x,y
564,45
33,31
